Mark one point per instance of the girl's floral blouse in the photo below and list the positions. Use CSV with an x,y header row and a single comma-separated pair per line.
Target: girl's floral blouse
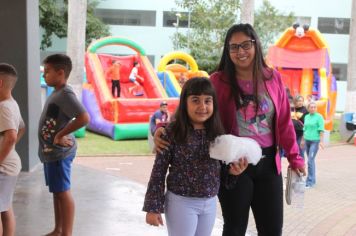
x,y
192,173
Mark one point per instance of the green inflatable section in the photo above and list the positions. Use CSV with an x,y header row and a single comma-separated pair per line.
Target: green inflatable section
x,y
113,40
80,133
130,131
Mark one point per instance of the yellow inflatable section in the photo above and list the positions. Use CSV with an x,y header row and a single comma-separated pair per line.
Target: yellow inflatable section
x,y
306,85
172,73
323,84
177,55
178,68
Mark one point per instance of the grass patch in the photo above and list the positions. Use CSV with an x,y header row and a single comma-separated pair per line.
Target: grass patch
x,y
95,145
335,136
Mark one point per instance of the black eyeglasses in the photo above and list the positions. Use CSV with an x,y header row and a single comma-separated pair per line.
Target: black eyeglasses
x,y
245,45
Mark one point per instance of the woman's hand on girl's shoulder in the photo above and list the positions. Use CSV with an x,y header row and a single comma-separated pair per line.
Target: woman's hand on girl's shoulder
x,y
159,142
237,167
154,219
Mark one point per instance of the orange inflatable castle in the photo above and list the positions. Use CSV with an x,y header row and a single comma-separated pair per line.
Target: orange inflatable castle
x,y
301,55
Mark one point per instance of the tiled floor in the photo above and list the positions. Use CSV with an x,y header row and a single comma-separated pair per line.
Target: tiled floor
x,y
109,193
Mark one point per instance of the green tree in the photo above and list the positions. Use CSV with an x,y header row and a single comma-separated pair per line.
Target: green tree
x,y
270,23
54,20
210,19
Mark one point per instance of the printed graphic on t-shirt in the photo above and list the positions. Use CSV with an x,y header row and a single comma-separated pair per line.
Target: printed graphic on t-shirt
x,y
49,128
250,122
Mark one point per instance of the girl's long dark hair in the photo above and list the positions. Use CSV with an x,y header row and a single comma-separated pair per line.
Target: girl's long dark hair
x,y
181,126
260,69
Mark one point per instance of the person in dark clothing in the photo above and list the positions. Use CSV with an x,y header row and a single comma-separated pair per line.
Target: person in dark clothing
x,y
113,73
298,112
161,117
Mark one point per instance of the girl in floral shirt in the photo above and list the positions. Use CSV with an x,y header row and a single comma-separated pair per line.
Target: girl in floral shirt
x,y
193,177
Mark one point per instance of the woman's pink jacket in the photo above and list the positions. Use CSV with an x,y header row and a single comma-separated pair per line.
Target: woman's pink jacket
x,y
283,131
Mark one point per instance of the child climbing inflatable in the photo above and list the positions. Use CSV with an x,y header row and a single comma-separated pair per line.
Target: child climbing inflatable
x,y
137,80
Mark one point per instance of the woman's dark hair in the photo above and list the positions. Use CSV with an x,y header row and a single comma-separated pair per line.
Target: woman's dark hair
x,y
260,69
181,126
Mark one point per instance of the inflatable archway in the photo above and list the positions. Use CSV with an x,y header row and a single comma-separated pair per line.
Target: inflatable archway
x,y
107,41
170,74
178,55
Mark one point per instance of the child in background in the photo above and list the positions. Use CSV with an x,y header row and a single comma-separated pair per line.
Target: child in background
x,y
134,76
61,116
12,128
113,73
160,118
193,179
182,79
308,100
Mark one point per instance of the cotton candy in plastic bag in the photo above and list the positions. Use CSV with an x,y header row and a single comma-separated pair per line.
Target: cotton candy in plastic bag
x,y
230,148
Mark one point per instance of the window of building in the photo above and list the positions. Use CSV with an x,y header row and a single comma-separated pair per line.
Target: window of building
x,y
126,17
170,19
303,20
334,25
339,71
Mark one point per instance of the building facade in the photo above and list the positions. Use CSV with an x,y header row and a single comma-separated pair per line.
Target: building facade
x,y
152,25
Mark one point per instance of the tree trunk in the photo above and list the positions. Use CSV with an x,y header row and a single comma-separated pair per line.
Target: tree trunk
x,y
77,13
247,11
351,67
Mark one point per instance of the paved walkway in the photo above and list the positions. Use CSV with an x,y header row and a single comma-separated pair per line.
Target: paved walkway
x,y
105,189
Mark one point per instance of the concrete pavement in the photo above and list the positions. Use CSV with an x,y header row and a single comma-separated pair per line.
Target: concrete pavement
x,y
329,207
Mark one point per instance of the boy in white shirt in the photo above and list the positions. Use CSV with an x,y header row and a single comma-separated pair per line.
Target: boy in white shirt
x,y
12,128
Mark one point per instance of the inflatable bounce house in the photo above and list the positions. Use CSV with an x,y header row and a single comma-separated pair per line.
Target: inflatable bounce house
x,y
169,74
126,117
301,55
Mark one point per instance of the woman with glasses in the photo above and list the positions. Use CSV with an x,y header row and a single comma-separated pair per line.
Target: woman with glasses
x,y
253,103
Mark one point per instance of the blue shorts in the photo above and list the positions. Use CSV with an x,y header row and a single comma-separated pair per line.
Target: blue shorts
x,y
133,80
57,174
